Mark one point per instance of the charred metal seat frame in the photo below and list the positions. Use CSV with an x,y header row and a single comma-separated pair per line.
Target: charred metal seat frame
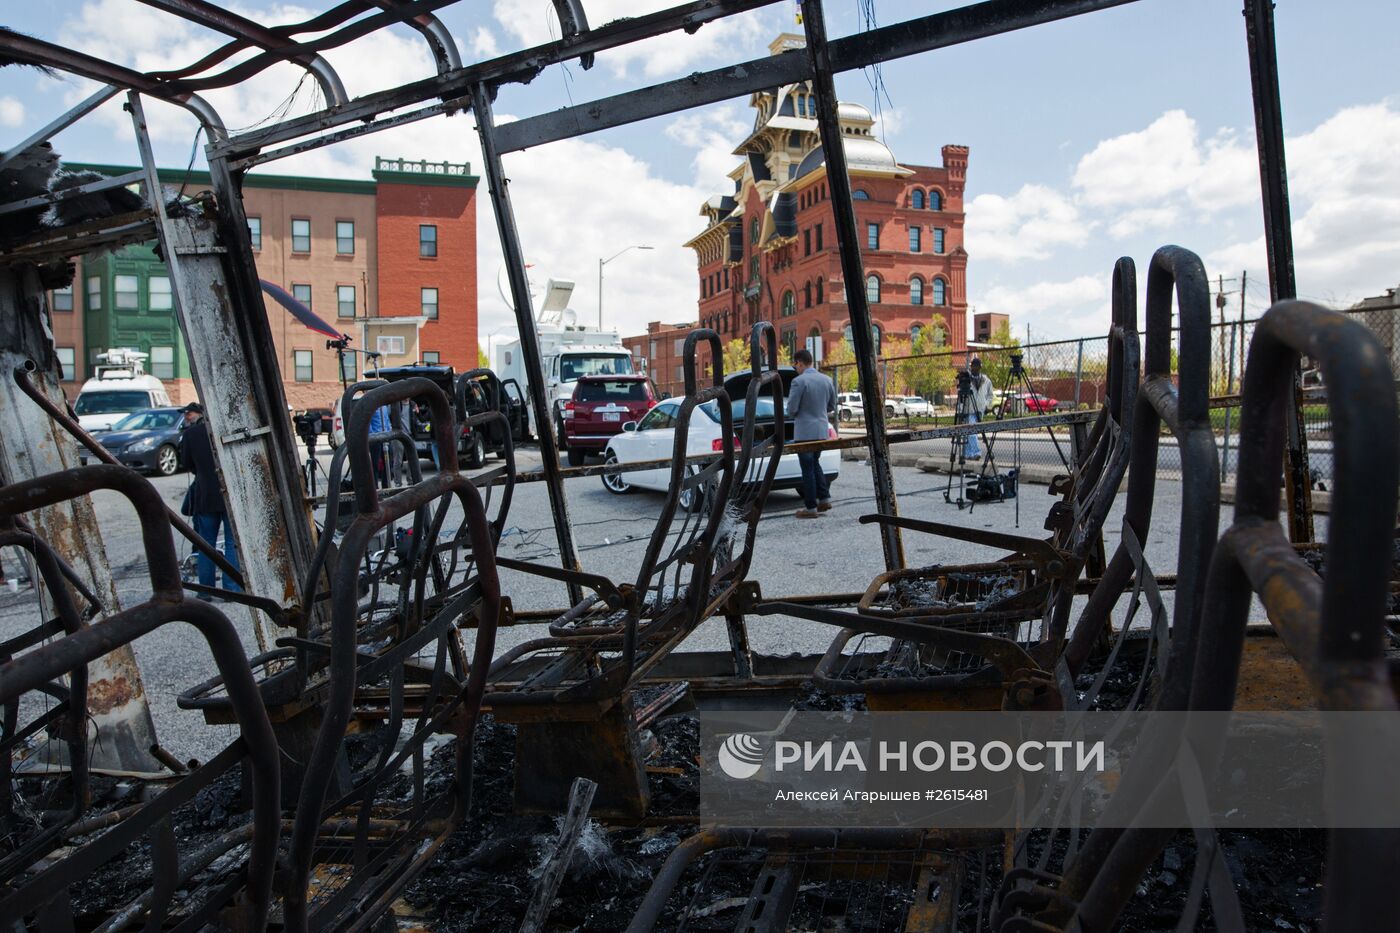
x,y
1045,573
248,894
1078,521
66,719
1036,898
1334,627
592,659
447,706
926,864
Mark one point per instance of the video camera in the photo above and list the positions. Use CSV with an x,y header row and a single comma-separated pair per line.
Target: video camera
x,y
964,382
308,426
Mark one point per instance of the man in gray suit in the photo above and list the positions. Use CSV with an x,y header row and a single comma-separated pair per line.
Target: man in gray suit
x,y
810,400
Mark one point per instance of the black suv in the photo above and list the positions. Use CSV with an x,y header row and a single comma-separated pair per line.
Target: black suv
x,y
472,445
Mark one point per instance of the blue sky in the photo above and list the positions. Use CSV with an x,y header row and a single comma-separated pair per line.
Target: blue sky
x,y
1101,136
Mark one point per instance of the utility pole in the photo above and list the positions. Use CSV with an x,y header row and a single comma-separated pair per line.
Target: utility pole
x,y
1220,332
1244,289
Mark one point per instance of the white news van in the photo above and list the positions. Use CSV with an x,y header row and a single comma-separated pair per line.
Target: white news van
x,y
119,387
568,350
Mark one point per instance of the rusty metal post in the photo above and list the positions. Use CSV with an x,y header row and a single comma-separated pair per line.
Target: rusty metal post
x,y
529,339
31,445
258,509
834,153
1278,237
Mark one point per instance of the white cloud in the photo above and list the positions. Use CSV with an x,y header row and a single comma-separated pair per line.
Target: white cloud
x,y
1029,224
484,43
11,111
1345,190
150,40
1137,172
1054,310
1143,219
712,133
1136,168
733,38
888,123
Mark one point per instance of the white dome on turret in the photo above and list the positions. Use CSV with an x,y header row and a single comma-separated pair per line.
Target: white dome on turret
x,y
857,114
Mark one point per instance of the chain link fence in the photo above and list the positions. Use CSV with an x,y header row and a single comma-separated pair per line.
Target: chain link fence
x,y
1067,375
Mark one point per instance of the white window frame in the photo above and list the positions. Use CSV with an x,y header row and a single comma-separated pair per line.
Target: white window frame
x,y
298,365
340,301
163,368
68,359
167,301
296,236
134,292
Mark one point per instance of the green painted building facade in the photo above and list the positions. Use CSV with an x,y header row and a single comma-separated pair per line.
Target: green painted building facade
x,y
126,301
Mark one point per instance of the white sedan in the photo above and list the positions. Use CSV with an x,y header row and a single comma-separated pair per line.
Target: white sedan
x,y
654,438
916,407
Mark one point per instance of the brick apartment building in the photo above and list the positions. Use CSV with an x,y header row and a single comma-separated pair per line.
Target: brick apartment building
x,y
391,261
662,348
985,325
769,249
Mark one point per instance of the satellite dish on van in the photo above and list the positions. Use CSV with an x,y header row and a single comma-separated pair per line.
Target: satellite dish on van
x,y
568,317
556,296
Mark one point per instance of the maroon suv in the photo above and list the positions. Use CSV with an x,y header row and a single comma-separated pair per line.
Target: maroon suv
x,y
600,407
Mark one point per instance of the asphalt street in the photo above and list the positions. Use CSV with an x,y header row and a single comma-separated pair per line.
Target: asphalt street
x,y
829,555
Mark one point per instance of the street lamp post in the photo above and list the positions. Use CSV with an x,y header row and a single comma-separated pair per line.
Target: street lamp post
x,y
603,262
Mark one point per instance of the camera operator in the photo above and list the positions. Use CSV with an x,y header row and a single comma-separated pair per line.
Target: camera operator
x,y
979,403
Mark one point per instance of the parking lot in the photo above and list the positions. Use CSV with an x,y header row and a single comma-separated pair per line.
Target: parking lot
x,y
833,554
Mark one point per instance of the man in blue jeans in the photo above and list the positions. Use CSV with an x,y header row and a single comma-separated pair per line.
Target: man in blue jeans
x,y
981,404
810,401
205,500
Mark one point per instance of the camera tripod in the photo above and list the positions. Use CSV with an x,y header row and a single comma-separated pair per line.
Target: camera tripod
x,y
957,453
1016,378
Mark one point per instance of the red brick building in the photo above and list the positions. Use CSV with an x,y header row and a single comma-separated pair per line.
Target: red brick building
x,y
769,250
985,325
663,349
391,261
425,221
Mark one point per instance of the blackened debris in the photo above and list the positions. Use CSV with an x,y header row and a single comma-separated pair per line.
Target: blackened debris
x,y
94,205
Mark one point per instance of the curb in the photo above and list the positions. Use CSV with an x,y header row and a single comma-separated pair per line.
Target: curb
x,y
1041,476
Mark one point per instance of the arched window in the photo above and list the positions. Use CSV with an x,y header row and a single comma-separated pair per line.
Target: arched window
x,y
859,195
872,289
807,295
753,231
789,303
846,333
940,292
876,334
820,299
916,291
935,201
916,200
914,333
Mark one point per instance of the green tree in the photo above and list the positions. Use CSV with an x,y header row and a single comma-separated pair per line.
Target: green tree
x,y
996,364
736,356
895,374
932,370
482,361
839,363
